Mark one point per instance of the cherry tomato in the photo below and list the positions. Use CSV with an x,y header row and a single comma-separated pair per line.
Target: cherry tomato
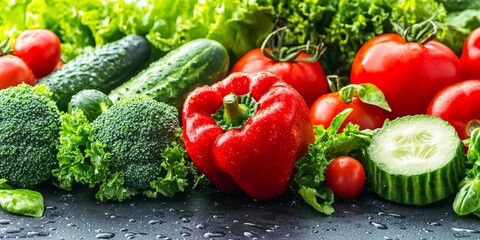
x,y
470,58
326,107
346,177
458,105
40,49
14,71
408,73
308,78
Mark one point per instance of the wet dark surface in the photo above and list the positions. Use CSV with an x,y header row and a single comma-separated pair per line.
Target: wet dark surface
x,y
209,214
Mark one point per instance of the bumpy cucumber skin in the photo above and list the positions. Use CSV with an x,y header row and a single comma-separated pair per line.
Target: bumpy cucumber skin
x,y
103,69
421,189
171,78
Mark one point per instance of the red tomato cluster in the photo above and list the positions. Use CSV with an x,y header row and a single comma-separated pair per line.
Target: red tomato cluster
x,y
36,53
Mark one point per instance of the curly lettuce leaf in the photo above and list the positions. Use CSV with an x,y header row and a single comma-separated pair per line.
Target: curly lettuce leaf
x,y
175,173
309,180
456,27
114,189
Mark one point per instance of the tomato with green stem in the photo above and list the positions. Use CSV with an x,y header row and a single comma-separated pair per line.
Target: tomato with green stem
x,y
345,175
470,57
40,49
458,105
298,66
409,69
366,100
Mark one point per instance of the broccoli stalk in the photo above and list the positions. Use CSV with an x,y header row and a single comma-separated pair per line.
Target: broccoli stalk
x,y
132,148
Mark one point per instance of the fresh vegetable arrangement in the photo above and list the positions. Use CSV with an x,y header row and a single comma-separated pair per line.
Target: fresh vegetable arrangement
x,y
166,96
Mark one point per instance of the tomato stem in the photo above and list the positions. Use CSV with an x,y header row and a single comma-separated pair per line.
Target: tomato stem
x,y
5,47
420,32
472,125
273,47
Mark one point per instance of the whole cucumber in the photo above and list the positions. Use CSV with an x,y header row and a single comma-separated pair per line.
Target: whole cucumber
x,y
171,78
103,69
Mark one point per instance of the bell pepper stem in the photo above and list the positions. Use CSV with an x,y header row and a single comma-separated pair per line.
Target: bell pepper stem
x,y
235,113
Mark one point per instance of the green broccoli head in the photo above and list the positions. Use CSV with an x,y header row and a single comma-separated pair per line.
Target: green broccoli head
x,y
136,130
29,131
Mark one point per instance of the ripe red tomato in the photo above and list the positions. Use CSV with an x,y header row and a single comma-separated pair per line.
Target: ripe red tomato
x,y
39,49
308,78
326,107
470,58
346,177
14,71
408,73
458,105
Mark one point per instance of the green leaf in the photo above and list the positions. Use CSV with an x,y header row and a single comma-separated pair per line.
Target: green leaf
x,y
113,189
4,184
22,202
367,93
175,172
467,199
311,196
338,120
309,179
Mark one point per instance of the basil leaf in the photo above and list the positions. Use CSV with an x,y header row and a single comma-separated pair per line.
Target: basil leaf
x,y
369,93
468,198
22,202
338,120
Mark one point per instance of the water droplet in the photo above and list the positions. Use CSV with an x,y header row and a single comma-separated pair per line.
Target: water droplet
x,y
435,224
32,234
387,238
214,234
123,230
113,216
200,226
185,234
370,218
52,229
10,229
185,220
382,213
50,207
71,224
427,230
465,230
49,222
217,216
105,235
379,225
162,237
153,222
396,215
5,221
132,220
249,234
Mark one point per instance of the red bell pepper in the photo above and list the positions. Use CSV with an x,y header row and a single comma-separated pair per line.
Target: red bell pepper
x,y
246,133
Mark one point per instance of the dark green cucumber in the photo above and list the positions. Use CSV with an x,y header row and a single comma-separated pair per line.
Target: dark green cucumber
x,y
104,69
415,160
91,101
171,78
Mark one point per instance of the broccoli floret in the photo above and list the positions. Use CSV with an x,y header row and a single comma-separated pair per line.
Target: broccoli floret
x,y
136,130
29,130
133,147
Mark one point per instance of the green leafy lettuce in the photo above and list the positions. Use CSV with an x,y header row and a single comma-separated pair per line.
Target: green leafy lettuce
x,y
467,200
238,25
309,180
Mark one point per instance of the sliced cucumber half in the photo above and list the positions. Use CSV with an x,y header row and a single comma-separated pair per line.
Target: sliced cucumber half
x,y
415,160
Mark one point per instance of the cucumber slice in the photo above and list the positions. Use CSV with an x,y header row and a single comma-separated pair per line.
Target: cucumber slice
x,y
415,160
